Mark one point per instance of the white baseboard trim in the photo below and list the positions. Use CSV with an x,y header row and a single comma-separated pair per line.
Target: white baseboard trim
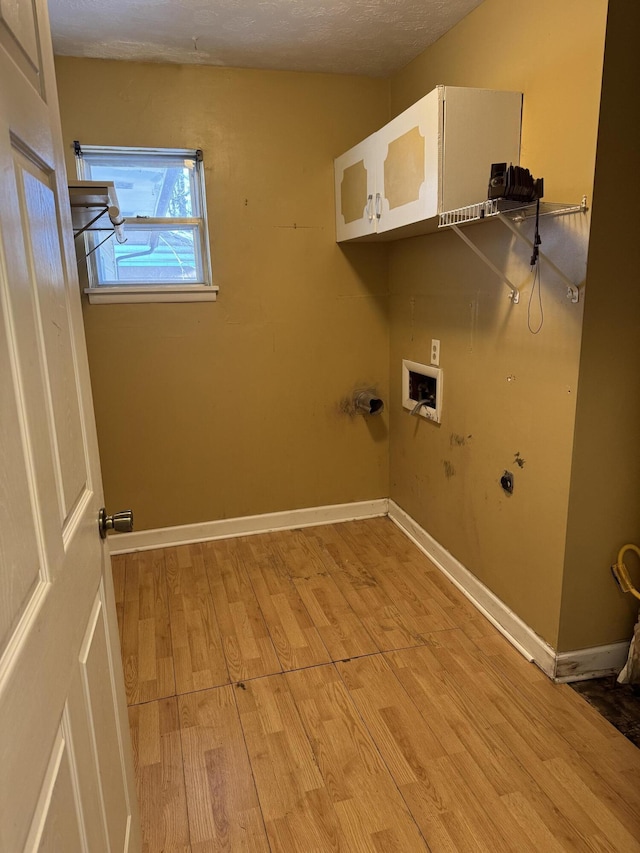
x,y
519,634
594,662
225,528
563,667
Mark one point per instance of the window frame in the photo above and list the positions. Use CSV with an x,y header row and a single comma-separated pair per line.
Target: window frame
x,y
152,291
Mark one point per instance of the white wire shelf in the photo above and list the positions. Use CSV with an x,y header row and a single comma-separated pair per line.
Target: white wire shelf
x,y
510,213
516,211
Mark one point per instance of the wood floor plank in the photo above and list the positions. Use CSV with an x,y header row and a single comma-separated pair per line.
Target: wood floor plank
x,y
155,736
415,757
371,812
341,631
605,786
197,645
295,637
579,723
416,566
355,551
246,643
525,707
378,613
392,543
147,651
415,600
565,819
297,808
538,836
302,559
595,800
402,735
224,813
494,756
462,677
456,741
577,817
424,679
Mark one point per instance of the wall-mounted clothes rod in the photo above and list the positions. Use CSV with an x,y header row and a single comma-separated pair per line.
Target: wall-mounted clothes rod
x,y
93,201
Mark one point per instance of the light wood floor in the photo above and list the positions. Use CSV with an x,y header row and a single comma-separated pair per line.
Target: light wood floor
x,y
328,689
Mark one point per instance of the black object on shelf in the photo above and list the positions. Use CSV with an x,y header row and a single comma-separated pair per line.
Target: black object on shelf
x,y
514,183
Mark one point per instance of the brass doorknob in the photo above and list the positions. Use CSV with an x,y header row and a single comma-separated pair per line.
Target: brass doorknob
x,y
121,522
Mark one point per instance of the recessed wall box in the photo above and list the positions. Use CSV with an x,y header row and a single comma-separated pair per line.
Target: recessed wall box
x,y
422,389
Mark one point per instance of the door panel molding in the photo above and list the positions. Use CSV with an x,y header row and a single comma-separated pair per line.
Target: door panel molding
x,y
14,49
54,821
96,668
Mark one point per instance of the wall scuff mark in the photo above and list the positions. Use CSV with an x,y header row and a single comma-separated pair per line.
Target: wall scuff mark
x,y
456,440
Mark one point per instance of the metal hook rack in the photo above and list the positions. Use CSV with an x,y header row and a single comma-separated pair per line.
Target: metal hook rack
x,y
510,213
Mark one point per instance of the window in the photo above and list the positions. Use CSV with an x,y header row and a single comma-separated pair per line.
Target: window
x,y
165,256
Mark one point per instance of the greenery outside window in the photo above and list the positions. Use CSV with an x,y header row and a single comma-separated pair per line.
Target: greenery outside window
x,y
162,198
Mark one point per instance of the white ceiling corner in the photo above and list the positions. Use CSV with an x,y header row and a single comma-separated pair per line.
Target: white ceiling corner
x,y
371,37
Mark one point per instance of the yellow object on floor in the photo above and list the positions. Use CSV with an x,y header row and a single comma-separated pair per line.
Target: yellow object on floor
x,y
621,573
630,673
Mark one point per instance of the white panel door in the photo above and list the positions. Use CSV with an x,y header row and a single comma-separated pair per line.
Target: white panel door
x,y
66,781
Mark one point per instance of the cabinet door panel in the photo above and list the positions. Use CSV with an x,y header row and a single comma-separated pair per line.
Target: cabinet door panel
x,y
407,176
355,191
404,169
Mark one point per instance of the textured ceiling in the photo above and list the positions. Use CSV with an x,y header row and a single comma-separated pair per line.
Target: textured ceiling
x,y
372,37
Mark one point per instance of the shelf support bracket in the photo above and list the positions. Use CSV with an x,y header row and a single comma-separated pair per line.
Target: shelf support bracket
x,y
87,227
515,292
573,292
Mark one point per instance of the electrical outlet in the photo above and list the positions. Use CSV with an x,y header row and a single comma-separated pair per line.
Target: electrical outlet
x,y
435,351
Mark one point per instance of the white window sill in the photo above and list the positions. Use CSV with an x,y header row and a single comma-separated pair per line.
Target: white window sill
x,y
152,293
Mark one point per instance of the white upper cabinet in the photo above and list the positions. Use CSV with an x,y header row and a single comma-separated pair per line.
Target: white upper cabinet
x,y
435,156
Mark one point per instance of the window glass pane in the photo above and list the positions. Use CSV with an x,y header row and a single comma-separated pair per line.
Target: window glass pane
x,y
155,186
154,255
151,184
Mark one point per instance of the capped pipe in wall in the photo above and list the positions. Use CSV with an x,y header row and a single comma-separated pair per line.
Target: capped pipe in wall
x,y
366,403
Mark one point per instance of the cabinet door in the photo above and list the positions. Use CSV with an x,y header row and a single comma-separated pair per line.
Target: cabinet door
x,y
355,176
407,176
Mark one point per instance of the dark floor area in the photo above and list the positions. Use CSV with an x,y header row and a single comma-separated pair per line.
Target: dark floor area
x,y
619,703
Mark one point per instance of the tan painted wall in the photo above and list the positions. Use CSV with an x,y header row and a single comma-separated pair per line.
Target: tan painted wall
x,y
208,411
202,412
604,506
508,394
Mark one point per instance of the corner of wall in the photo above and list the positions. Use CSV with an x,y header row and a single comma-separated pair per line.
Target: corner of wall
x,y
604,500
